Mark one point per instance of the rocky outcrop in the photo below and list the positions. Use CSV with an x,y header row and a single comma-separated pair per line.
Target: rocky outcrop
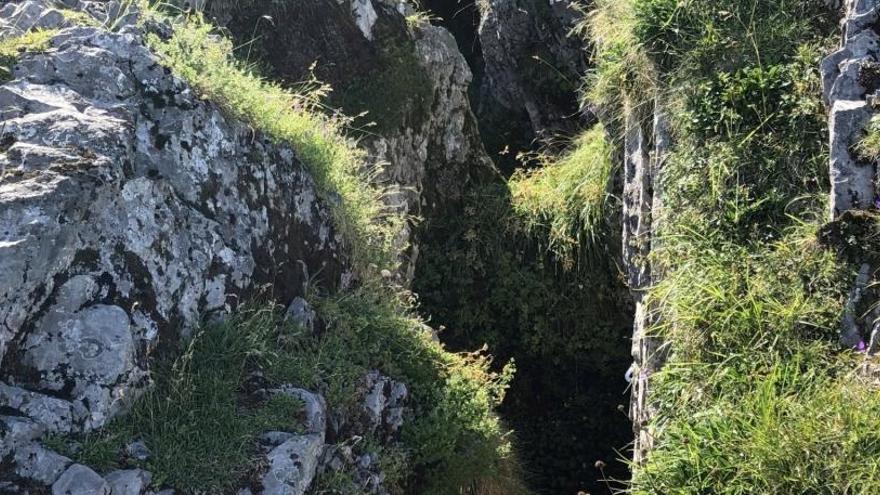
x,y
531,71
129,209
851,80
851,88
408,76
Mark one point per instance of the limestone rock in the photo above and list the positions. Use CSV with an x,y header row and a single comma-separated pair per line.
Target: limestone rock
x,y
292,465
301,313
128,482
36,463
846,95
138,451
519,41
80,480
315,409
130,208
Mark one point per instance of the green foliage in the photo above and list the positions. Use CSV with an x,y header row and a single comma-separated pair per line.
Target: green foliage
x,y
566,199
12,47
453,436
704,36
755,396
797,425
488,280
624,78
290,117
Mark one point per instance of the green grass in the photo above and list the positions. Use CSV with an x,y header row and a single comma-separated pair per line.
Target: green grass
x,y
295,118
11,48
868,147
566,199
202,429
196,420
756,396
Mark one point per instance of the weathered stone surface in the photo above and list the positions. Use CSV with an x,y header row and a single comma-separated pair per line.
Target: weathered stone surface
x,y
129,208
852,179
138,451
80,480
315,408
411,80
300,312
384,403
531,69
292,465
646,145
36,463
54,414
17,432
128,482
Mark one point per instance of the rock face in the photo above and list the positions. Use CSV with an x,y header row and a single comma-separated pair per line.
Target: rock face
x,y
531,71
851,80
645,148
409,77
129,208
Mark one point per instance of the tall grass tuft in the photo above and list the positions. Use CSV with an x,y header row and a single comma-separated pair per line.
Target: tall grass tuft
x,y
566,199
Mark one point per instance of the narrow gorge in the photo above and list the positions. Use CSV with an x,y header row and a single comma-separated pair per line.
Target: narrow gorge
x,y
476,247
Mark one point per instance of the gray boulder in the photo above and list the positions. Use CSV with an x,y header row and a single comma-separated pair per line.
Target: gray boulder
x,y
128,482
80,480
292,465
35,463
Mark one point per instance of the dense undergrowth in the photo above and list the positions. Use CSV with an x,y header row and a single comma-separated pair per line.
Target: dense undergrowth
x,y
756,396
197,418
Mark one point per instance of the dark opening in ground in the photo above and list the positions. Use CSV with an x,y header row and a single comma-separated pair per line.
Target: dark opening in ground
x,y
567,330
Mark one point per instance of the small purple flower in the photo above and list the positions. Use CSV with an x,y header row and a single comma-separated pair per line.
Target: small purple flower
x,y
861,346
877,202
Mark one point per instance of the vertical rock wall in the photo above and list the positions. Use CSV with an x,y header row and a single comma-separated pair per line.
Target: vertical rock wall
x,y
129,209
851,79
645,148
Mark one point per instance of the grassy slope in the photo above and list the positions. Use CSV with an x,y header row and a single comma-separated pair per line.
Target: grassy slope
x,y
756,398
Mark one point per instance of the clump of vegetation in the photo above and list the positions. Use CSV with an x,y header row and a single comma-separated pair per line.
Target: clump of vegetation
x,y
12,47
566,199
868,147
205,60
756,396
